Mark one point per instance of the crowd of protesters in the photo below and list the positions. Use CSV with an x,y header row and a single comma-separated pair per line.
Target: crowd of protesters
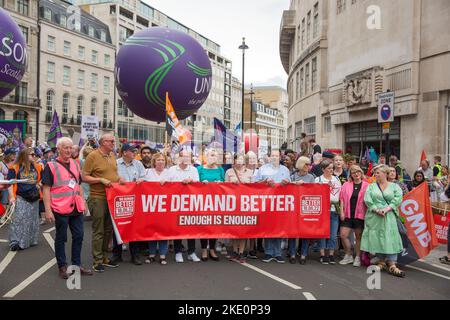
x,y
63,184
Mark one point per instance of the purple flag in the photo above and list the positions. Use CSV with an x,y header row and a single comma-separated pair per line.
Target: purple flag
x,y
55,132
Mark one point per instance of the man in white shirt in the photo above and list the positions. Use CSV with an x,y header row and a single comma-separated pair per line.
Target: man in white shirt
x,y
186,173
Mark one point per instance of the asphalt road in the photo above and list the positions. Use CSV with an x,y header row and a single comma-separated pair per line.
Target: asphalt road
x,y
32,274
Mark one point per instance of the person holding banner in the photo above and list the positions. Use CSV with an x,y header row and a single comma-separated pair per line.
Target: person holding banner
x,y
238,174
158,173
353,210
129,170
211,172
100,171
335,190
272,173
300,177
186,173
381,235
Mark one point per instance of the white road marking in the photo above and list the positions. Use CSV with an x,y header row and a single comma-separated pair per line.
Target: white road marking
x,y
429,272
13,292
271,276
4,241
50,240
436,265
7,260
50,230
309,296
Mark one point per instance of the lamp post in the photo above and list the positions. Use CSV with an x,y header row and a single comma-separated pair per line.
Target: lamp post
x,y
243,47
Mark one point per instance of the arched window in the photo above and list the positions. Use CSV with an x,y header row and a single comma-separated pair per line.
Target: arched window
x,y
20,115
65,106
2,114
80,106
93,107
50,105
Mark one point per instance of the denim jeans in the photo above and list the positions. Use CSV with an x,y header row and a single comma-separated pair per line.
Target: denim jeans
x,y
387,257
292,243
330,244
272,247
305,247
163,247
75,223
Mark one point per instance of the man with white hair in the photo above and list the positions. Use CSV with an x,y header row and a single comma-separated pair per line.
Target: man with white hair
x,y
64,204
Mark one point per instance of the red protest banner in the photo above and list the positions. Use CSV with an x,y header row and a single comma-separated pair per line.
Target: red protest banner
x,y
416,209
441,224
149,211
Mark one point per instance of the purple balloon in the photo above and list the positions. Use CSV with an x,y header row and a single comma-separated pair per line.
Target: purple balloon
x,y
13,54
159,60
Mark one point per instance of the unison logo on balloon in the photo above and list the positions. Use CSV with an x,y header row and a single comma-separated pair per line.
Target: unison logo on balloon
x,y
13,54
159,60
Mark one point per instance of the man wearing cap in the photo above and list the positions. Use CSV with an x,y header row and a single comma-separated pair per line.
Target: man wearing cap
x,y
64,205
100,171
130,170
48,155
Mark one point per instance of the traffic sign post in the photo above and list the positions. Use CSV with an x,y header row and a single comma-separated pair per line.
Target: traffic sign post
x,y
386,102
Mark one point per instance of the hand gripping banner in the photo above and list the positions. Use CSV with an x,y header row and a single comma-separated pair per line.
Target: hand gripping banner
x,y
149,211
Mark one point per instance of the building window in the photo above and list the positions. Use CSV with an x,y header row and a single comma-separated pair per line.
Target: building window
x,y
80,106
21,93
340,6
50,72
2,114
106,85
307,79
303,33
93,107
308,28
20,115
63,20
314,74
51,43
22,6
50,103
316,21
105,111
80,79
124,33
310,127
65,106
81,51
297,86
66,48
48,14
24,32
107,59
103,35
94,57
94,81
302,82
120,108
66,76
299,40
327,124
91,31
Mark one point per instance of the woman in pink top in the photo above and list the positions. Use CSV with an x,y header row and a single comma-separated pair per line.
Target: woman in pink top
x,y
353,210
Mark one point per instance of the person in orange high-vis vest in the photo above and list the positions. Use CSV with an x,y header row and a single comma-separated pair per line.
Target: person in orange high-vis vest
x,y
64,205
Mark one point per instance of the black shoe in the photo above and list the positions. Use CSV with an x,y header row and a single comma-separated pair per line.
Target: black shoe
x,y
112,263
292,260
15,247
260,249
302,261
136,260
252,255
331,259
98,268
324,260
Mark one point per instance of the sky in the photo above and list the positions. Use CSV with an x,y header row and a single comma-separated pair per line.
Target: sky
x,y
226,22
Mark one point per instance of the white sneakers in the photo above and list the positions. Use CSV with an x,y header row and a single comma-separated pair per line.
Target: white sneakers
x,y
348,259
179,258
193,257
357,262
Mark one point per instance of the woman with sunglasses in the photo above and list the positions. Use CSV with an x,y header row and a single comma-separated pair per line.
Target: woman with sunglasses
x,y
353,210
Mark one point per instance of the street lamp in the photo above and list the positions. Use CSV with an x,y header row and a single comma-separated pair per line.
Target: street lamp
x,y
243,47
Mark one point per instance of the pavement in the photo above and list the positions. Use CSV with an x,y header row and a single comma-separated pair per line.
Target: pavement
x,y
32,274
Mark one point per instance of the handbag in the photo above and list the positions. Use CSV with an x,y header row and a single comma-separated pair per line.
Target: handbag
x,y
401,227
31,196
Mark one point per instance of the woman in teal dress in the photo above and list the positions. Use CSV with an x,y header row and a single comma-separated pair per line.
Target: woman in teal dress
x,y
211,172
381,235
